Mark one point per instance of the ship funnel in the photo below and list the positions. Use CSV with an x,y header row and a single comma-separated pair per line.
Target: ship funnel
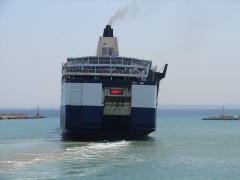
x,y
107,44
108,31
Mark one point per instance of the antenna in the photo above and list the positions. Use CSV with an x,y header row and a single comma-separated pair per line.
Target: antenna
x,y
37,111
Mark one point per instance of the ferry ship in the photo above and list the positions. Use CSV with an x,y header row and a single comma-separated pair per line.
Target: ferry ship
x,y
108,95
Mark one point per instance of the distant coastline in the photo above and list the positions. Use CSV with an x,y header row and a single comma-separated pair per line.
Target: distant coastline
x,y
4,116
9,109
198,106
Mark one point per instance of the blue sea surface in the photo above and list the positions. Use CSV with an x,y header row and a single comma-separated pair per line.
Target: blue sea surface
x,y
182,147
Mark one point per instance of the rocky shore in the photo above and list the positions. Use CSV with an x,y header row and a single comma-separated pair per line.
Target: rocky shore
x,y
18,116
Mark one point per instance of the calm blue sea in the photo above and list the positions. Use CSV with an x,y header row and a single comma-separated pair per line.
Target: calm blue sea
x,y
183,147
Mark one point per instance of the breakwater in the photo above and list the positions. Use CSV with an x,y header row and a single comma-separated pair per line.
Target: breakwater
x,y
18,116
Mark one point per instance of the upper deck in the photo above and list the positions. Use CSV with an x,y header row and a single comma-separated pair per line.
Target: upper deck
x,y
107,66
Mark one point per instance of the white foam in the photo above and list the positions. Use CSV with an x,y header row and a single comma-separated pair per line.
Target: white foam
x,y
108,145
84,152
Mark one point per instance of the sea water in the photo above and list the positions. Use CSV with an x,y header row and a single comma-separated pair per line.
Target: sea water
x,y
182,147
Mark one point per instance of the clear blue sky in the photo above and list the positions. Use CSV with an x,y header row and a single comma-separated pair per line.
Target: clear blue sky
x,y
200,40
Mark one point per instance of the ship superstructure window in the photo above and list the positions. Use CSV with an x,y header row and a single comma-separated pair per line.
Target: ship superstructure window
x,y
107,51
110,51
104,51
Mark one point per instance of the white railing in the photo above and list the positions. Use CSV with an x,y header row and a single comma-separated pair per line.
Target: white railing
x,y
107,66
108,60
105,71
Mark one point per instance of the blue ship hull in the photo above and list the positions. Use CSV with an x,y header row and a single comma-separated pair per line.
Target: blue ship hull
x,y
89,122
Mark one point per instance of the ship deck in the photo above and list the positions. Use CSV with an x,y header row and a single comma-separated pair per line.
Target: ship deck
x,y
107,66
